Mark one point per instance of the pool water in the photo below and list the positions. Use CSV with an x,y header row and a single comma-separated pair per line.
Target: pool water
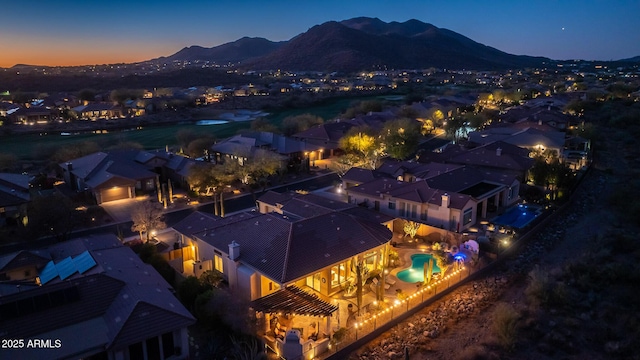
x,y
211,122
517,217
416,272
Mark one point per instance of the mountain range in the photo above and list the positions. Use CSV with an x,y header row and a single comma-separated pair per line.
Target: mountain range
x,y
229,53
360,44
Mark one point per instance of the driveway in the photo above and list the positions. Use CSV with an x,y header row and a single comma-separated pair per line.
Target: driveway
x,y
120,210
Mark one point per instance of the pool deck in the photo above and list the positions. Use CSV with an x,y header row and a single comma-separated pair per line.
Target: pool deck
x,y
405,262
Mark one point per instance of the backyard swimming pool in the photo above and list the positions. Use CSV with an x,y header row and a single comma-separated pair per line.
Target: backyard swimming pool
x,y
518,217
416,272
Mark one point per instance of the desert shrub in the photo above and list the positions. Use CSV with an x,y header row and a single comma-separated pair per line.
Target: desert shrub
x,y
474,352
231,311
188,290
247,347
505,325
203,315
339,335
559,294
539,289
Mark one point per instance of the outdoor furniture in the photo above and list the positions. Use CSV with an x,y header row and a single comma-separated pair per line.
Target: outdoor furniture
x,y
280,331
313,332
390,281
376,282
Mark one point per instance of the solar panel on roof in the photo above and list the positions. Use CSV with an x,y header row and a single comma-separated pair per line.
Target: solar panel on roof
x,y
66,268
84,262
48,273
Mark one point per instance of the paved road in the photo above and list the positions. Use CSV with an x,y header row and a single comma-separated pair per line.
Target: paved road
x,y
234,204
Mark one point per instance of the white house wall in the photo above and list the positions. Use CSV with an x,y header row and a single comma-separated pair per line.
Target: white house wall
x,y
438,216
248,283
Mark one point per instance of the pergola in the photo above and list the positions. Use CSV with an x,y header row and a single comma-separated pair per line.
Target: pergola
x,y
293,300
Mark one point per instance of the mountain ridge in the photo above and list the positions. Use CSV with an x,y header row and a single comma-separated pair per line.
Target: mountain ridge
x,y
231,52
352,45
370,44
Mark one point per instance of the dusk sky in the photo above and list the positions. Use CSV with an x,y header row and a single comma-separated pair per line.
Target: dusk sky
x,y
68,32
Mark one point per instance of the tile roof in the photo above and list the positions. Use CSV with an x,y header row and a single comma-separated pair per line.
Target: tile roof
x,y
199,221
15,180
286,249
74,302
360,175
327,132
466,177
395,168
274,198
369,215
108,305
95,107
510,156
417,191
527,137
99,168
10,198
21,258
236,145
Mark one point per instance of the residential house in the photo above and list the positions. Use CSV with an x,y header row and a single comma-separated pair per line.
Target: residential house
x,y
243,147
260,254
297,251
492,190
95,111
327,136
20,266
416,201
15,194
526,138
137,107
497,155
451,197
109,176
7,108
31,115
91,298
123,174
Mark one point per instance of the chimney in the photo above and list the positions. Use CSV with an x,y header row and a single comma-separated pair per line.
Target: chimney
x,y
234,250
499,152
445,200
72,179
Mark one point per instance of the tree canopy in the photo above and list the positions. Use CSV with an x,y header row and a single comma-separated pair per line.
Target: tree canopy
x,y
147,216
364,144
55,215
295,124
400,138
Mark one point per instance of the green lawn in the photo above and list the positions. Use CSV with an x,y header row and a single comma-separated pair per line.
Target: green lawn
x,y
330,109
34,146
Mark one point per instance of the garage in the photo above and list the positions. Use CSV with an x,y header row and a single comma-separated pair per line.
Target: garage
x,y
114,193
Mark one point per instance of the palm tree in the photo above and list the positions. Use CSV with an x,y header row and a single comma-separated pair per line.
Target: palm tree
x,y
361,271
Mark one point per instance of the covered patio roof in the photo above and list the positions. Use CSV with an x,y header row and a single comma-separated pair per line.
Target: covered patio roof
x,y
293,300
